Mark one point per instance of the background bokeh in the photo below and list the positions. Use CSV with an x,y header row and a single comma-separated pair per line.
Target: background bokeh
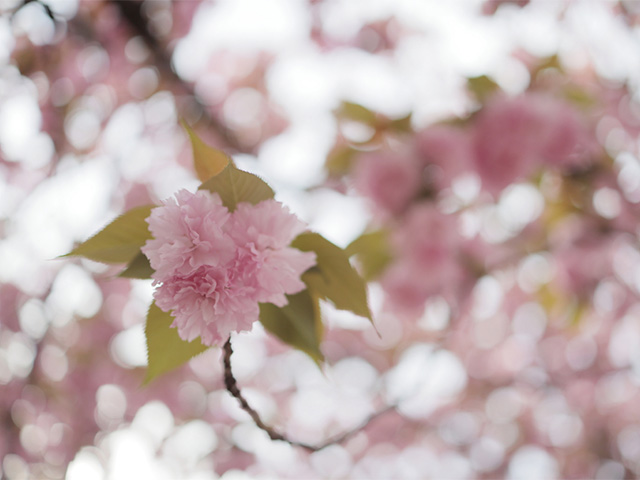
x,y
508,379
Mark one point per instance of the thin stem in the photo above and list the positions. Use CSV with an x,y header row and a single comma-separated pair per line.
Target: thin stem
x,y
232,387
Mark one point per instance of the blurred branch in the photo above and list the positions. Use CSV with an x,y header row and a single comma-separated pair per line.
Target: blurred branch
x,y
45,7
132,13
232,387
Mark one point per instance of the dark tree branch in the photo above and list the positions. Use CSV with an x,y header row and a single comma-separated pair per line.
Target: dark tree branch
x,y
232,387
45,7
131,12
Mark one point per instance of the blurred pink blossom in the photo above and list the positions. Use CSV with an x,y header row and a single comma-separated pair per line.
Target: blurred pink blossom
x,y
213,267
514,136
389,179
427,245
428,236
447,150
583,256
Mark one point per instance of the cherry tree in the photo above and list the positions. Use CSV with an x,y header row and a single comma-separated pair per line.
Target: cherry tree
x,y
319,239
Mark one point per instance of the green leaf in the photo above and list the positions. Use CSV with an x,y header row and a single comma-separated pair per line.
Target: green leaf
x,y
402,125
139,267
340,160
482,87
120,241
165,349
552,62
297,324
372,251
580,97
207,160
235,186
333,277
355,111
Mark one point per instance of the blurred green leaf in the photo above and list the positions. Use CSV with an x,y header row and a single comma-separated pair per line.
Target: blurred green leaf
x,y
235,186
482,87
139,267
552,62
207,160
120,241
579,97
339,160
577,312
372,251
297,324
333,277
165,349
402,125
355,111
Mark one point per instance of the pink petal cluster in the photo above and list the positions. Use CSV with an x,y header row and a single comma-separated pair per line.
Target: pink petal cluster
x,y
213,267
389,179
426,246
509,139
446,153
583,255
513,136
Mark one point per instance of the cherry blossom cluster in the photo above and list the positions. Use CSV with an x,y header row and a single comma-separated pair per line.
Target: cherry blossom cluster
x,y
508,141
213,267
512,238
541,376
511,138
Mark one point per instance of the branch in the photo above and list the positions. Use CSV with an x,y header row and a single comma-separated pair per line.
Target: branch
x,y
232,387
45,7
132,13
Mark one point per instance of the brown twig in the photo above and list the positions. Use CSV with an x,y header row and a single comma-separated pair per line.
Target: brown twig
x,y
47,9
232,387
132,13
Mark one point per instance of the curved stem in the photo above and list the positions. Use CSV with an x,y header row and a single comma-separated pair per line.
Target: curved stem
x,y
232,387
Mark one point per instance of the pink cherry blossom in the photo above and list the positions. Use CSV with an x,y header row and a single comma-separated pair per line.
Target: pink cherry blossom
x,y
389,179
214,267
408,287
446,151
427,235
188,233
566,143
262,234
583,255
280,272
268,224
209,303
514,136
427,246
